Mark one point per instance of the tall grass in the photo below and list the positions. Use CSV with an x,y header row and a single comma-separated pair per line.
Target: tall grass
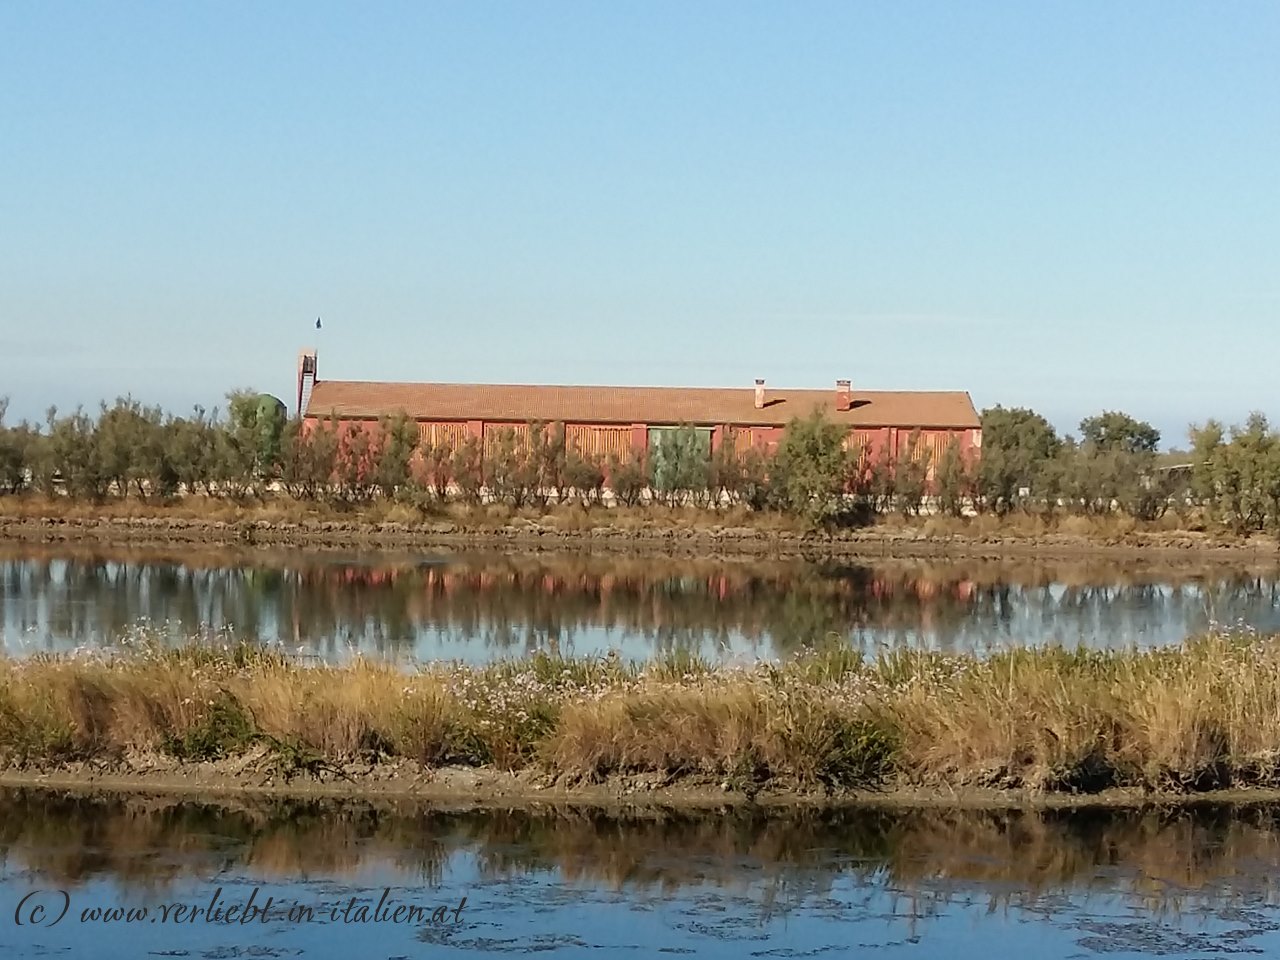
x,y
1202,715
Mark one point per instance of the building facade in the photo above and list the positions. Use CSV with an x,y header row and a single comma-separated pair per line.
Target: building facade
x,y
606,421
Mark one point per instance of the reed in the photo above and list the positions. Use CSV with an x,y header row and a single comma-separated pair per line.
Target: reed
x,y
1200,716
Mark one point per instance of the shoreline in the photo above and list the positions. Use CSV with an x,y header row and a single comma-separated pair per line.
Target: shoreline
x,y
653,539
479,789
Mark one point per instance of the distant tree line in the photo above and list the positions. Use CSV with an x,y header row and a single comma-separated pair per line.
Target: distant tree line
x,y
253,452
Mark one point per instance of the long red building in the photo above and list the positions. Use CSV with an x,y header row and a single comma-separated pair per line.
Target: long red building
x,y
615,420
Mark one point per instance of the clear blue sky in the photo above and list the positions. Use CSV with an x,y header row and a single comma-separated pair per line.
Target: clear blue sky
x,y
1067,206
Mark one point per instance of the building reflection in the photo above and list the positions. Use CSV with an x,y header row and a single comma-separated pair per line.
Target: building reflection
x,y
484,605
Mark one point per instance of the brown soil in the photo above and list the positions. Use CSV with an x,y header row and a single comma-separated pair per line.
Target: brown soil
x,y
655,539
471,788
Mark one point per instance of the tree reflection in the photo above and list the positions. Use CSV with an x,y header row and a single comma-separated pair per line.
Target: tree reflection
x,y
484,605
1170,860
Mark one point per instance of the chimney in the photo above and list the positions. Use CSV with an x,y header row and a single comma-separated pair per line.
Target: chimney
x,y
759,394
844,395
306,377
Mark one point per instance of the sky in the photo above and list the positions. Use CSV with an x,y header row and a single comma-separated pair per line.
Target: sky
x,y
1069,206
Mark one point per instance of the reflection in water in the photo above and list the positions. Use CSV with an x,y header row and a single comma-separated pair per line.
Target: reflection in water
x,y
476,607
1103,881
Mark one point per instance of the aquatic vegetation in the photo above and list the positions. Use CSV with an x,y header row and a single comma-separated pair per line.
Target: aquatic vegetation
x,y
1199,716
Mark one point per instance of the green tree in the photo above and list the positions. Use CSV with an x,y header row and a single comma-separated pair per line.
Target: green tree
x,y
511,468
17,453
952,480
74,454
256,424
395,448
912,469
679,464
812,467
191,448
133,449
1113,430
549,455
1016,445
1206,442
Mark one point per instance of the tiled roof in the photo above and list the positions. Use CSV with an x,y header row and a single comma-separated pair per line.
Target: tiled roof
x,y
648,405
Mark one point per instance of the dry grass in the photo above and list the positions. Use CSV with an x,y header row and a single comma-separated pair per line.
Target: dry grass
x,y
1200,716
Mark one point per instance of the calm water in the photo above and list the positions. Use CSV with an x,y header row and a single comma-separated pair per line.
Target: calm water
x,y
481,606
897,884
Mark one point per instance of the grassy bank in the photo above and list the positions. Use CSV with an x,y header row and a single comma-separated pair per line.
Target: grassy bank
x,y
1202,716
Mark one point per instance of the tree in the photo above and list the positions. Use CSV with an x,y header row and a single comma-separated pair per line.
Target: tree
x,y
756,484
132,445
628,476
1016,445
467,467
549,453
679,463
1113,430
435,464
725,472
256,424
309,452
512,471
1234,473
812,467
882,481
191,448
1205,443
912,476
74,453
17,453
585,475
952,479
396,446
355,465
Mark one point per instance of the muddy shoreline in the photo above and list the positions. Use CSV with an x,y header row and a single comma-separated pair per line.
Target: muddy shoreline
x,y
531,537
465,788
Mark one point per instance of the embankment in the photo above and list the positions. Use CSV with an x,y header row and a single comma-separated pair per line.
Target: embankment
x,y
652,531
1045,727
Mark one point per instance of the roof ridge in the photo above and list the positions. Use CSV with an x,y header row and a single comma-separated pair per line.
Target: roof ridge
x,y
575,403
625,386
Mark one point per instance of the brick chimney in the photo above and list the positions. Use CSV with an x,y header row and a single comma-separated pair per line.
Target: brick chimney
x,y
844,395
759,394
306,377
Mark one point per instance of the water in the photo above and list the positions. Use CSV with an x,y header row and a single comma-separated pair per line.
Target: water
x,y
574,883
477,607
396,880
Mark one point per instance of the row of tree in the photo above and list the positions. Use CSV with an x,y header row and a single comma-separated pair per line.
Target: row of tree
x,y
1230,476
254,451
